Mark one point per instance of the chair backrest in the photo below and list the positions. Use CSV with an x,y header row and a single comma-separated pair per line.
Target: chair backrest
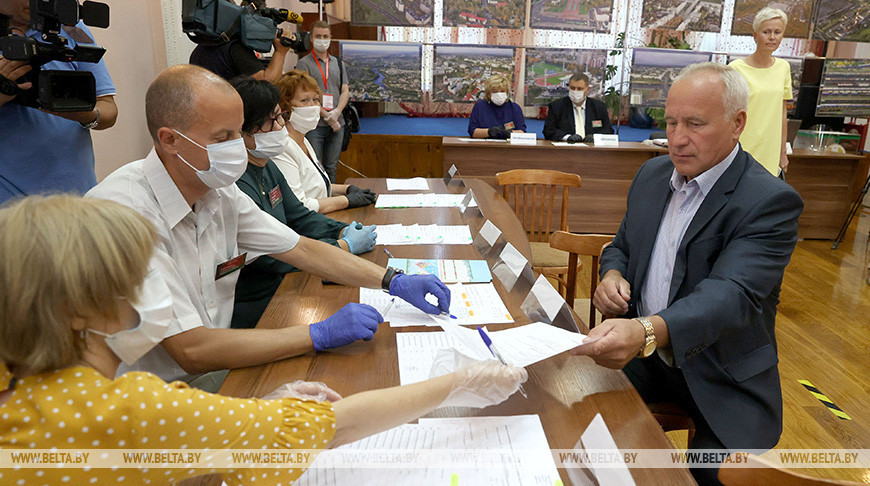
x,y
580,244
757,471
533,195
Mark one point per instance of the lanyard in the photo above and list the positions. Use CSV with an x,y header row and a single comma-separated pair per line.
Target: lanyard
x,y
325,76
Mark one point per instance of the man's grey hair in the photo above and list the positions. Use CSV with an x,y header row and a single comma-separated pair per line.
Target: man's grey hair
x,y
735,97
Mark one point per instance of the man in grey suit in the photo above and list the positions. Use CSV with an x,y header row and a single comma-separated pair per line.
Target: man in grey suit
x,y
695,272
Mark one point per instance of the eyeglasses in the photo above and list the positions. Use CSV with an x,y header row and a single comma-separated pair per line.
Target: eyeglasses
x,y
280,118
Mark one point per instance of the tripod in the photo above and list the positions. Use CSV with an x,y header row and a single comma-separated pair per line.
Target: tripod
x,y
852,213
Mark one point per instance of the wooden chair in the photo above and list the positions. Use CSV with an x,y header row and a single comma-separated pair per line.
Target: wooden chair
x,y
575,245
534,192
671,416
757,471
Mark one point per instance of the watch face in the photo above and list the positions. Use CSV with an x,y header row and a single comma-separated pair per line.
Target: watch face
x,y
649,348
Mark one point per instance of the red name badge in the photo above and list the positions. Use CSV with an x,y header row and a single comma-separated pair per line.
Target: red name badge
x,y
230,266
275,196
596,123
509,126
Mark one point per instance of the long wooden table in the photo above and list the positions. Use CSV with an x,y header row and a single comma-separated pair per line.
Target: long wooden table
x,y
565,391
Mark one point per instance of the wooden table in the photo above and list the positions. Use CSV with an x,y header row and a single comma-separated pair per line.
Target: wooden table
x,y
565,391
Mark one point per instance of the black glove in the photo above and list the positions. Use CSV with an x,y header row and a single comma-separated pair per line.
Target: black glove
x,y
574,138
352,188
588,139
359,199
499,132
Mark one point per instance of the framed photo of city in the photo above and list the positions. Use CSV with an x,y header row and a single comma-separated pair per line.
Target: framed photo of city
x,y
795,63
845,88
800,15
407,13
383,71
549,70
698,16
586,15
843,20
505,14
653,71
460,70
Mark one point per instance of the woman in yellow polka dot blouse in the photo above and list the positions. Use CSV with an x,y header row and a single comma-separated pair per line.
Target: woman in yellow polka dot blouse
x,y
71,271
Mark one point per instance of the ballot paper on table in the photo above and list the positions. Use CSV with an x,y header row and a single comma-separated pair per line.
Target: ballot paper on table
x,y
449,271
429,234
425,200
482,140
501,451
413,184
520,346
472,304
568,144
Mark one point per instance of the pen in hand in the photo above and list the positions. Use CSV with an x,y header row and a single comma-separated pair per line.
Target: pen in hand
x,y
488,342
389,306
388,253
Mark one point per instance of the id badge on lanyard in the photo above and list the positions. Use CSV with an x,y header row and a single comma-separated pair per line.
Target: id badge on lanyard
x,y
328,102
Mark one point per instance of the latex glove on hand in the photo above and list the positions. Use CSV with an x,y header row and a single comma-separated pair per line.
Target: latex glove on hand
x,y
499,132
413,289
589,139
312,390
351,323
484,383
359,198
574,138
359,238
352,188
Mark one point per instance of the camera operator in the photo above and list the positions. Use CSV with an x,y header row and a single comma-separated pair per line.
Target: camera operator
x,y
42,150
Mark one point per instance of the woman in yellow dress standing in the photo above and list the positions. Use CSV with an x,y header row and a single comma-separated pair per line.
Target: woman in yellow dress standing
x,y
769,81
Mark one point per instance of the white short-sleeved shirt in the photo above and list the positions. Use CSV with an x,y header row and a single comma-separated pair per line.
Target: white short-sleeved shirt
x,y
223,224
305,176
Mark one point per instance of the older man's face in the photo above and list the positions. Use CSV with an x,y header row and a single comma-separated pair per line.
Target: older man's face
x,y
699,136
219,115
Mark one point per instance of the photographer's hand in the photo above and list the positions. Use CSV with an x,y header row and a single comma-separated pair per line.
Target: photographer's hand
x,y
13,70
105,106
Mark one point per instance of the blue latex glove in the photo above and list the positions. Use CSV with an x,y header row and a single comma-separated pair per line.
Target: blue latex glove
x,y
359,238
413,289
350,323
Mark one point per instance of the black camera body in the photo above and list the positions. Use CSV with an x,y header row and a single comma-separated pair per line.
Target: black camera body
x,y
55,90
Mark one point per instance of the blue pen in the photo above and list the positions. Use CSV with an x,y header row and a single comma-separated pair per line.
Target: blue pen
x,y
488,342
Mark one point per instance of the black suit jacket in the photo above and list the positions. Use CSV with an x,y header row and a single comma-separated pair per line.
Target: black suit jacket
x,y
560,119
724,290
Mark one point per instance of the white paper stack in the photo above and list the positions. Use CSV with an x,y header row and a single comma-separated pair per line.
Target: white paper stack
x,y
423,234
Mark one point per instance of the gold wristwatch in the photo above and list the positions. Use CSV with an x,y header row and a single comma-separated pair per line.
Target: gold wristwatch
x,y
649,346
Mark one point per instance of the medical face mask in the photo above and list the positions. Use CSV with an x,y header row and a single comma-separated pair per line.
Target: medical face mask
x,y
305,118
499,98
227,162
577,97
321,45
270,144
155,311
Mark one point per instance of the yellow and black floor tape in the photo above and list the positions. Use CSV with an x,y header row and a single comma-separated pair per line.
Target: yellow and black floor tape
x,y
827,401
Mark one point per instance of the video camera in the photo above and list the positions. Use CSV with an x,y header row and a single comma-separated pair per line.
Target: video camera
x,y
215,22
54,90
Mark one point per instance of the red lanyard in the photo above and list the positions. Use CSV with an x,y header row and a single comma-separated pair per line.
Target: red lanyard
x,y
325,76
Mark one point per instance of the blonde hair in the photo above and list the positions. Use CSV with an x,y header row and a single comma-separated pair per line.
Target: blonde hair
x,y
766,14
496,83
291,82
61,258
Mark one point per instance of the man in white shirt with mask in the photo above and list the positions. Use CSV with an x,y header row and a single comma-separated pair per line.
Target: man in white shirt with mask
x,y
576,117
208,229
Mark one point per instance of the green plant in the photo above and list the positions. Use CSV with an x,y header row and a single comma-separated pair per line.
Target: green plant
x,y
658,115
612,95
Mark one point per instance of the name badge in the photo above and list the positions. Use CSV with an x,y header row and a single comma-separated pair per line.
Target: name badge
x,y
509,125
596,123
275,196
230,266
328,103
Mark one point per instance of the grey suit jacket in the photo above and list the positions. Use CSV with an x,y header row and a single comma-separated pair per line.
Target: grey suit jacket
x,y
724,291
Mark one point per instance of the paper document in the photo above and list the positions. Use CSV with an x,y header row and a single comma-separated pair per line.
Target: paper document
x,y
426,200
497,451
481,140
472,304
520,346
463,271
415,184
428,234
568,144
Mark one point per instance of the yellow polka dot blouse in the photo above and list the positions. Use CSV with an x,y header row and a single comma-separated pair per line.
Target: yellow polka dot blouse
x,y
79,408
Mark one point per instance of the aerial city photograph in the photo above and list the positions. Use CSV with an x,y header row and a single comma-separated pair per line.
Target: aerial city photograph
x,y
695,15
847,20
845,88
506,14
549,70
653,71
587,15
383,72
460,70
392,12
800,14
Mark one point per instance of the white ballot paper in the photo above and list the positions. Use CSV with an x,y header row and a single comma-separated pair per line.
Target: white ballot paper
x,y
427,234
482,140
498,451
425,200
568,144
472,304
414,184
520,346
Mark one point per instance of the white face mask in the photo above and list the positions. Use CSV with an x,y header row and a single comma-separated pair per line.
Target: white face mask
x,y
155,311
321,45
227,162
577,97
499,98
270,144
305,118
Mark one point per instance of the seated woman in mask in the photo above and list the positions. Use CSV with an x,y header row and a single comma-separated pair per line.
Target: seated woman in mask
x,y
77,297
495,116
300,96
